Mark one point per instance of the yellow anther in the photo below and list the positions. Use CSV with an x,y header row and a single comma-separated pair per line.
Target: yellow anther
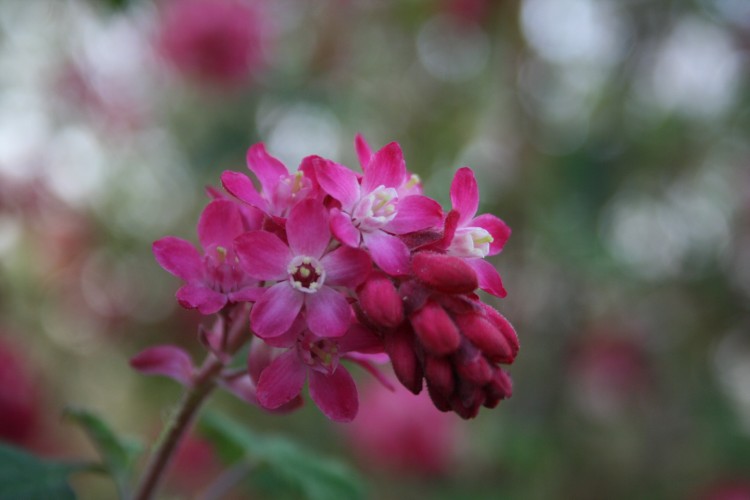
x,y
413,181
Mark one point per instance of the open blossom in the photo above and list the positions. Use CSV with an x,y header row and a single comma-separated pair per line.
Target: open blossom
x,y
304,273
214,279
372,212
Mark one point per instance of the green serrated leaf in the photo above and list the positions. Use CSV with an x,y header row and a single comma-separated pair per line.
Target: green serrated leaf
x,y
118,454
26,477
318,477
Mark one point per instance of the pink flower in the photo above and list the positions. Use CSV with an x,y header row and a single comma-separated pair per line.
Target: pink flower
x,y
219,42
304,273
373,211
404,433
214,279
19,408
316,358
476,237
280,190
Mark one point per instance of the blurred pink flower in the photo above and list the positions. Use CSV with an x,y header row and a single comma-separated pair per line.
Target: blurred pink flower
x,y
219,42
404,433
19,411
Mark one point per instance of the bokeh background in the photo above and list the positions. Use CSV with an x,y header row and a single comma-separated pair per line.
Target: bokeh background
x,y
611,135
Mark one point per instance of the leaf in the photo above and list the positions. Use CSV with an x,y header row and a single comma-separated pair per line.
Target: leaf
x,y
318,477
26,477
118,454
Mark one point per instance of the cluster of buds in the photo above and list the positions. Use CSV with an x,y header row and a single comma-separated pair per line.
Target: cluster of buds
x,y
335,265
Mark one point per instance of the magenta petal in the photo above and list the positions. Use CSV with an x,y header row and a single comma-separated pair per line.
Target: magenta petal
x,y
282,381
497,228
488,277
263,255
276,310
328,312
360,339
387,168
178,257
364,153
335,394
338,181
343,228
247,294
389,253
167,360
267,168
240,186
200,297
465,194
415,213
220,224
307,228
346,266
243,387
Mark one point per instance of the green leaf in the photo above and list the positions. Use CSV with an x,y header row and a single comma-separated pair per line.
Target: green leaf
x,y
318,477
118,454
26,477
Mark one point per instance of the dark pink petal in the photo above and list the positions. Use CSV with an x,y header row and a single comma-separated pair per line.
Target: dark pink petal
x,y
200,297
343,228
167,360
389,253
178,257
465,194
240,186
497,228
220,223
346,266
335,394
338,181
328,313
307,228
366,362
415,213
267,168
360,339
282,381
247,294
364,153
489,278
387,168
242,387
276,310
263,255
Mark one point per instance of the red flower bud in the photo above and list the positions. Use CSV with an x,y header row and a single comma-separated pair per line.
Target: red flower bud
x,y
486,337
439,375
505,328
381,302
436,330
444,273
398,345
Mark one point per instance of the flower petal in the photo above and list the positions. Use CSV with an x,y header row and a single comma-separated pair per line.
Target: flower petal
x,y
364,153
282,381
335,394
346,266
343,228
219,224
178,257
360,339
389,253
328,313
387,168
415,213
267,168
497,228
263,255
338,181
240,186
200,297
247,294
465,194
276,310
167,360
489,278
307,228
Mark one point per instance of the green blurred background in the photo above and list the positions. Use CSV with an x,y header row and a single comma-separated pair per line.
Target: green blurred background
x,y
611,135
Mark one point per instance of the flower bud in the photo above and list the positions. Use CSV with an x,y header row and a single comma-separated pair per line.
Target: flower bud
x,y
436,330
444,273
398,345
505,328
439,375
381,302
486,337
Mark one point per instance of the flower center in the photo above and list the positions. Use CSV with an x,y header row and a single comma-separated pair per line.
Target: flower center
x,y
470,242
290,189
306,274
319,354
376,209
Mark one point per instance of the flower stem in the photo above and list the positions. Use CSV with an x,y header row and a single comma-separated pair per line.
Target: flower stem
x,y
177,427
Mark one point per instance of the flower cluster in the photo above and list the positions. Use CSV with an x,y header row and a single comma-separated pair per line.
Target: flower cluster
x,y
336,265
